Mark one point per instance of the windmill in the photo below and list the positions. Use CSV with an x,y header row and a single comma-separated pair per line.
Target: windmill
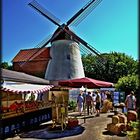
x,y
65,62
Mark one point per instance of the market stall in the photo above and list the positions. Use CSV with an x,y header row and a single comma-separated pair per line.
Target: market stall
x,y
20,98
24,102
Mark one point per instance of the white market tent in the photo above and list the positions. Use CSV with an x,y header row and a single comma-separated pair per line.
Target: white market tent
x,y
18,82
17,87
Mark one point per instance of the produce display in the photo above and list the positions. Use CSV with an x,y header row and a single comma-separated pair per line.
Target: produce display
x,y
120,122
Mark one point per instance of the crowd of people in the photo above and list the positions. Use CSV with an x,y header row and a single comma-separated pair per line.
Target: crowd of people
x,y
93,101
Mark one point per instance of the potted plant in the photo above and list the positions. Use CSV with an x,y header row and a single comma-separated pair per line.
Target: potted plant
x,y
132,134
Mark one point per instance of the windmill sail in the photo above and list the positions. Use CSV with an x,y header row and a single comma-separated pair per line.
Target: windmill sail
x,y
34,4
70,39
64,28
84,12
92,49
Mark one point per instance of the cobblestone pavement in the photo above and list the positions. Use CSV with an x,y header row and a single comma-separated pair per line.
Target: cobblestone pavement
x,y
95,129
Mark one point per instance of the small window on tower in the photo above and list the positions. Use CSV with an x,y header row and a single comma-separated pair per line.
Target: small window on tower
x,y
68,56
69,77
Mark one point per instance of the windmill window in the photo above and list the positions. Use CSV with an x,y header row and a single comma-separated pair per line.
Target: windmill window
x,y
68,56
69,77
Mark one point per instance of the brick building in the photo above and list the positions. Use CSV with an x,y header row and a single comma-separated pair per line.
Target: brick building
x,y
32,61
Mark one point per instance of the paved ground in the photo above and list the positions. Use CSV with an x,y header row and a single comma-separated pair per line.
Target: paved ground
x,y
95,129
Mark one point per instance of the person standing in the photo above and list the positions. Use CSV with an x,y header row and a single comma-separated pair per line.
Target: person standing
x,y
103,97
130,101
98,103
94,103
89,102
80,101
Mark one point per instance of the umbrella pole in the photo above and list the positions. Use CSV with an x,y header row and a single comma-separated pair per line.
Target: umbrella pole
x,y
85,104
7,101
84,113
24,108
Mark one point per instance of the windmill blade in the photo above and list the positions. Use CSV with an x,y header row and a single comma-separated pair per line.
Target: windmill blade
x,y
83,15
88,6
87,46
92,49
84,50
40,48
34,4
44,42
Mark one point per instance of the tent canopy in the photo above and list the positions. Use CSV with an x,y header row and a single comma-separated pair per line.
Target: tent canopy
x,y
87,82
16,87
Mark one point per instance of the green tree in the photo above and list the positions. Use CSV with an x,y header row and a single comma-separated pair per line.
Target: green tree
x,y
88,63
5,65
109,67
127,83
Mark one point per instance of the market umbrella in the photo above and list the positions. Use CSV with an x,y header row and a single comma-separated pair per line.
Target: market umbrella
x,y
85,81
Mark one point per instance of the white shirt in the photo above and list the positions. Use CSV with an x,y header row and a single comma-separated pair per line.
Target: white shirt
x,y
131,101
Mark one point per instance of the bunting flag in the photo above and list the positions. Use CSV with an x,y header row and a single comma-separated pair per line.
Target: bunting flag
x,y
25,88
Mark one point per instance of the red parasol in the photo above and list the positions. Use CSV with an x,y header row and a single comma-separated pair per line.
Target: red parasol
x,y
88,82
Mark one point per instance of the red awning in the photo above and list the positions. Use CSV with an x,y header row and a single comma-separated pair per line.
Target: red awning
x,y
25,88
88,82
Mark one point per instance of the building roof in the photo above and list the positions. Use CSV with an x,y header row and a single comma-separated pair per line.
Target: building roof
x,y
27,54
10,75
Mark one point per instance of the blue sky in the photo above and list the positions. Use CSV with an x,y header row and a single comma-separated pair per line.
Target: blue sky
x,y
111,26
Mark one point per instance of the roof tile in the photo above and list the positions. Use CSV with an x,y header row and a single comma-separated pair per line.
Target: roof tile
x,y
30,54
